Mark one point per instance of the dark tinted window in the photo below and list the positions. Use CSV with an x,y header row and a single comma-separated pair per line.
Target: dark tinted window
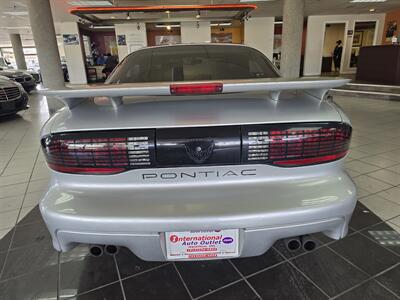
x,y
193,62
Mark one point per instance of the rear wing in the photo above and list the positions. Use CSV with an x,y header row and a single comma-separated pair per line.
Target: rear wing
x,y
315,86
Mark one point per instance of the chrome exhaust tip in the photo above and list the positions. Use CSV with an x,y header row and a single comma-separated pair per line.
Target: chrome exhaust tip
x,y
293,244
111,249
96,250
308,244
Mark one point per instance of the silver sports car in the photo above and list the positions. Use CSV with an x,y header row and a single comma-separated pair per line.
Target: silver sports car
x,y
197,152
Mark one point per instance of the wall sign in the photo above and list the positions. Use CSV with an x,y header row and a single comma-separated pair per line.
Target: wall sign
x,y
71,39
121,40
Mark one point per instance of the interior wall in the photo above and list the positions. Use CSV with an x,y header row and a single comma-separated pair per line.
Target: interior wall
x,y
237,33
333,33
135,37
151,34
74,54
391,18
278,32
195,32
259,34
315,34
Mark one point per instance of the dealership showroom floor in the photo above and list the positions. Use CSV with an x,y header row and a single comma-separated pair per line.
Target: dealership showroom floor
x,y
203,149
364,265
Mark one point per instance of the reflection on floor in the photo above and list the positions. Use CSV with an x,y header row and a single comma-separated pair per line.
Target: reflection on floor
x,y
364,265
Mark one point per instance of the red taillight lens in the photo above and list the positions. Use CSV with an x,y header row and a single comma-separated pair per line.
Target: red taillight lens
x,y
99,152
296,144
196,88
111,152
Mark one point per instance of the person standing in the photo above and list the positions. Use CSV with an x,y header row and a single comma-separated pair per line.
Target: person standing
x,y
337,55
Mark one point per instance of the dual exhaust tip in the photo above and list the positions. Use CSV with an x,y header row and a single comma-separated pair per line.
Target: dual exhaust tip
x,y
304,242
99,250
292,244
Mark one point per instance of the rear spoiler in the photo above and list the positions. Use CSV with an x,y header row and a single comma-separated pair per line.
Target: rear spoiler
x,y
315,86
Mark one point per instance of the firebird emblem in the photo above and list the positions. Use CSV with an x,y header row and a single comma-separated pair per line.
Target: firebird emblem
x,y
199,150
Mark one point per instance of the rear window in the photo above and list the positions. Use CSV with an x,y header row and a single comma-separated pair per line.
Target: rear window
x,y
192,63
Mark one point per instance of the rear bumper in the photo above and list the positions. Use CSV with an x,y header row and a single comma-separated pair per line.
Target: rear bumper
x,y
264,211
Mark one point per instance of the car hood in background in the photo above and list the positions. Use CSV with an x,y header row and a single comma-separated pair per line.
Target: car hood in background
x,y
5,82
13,72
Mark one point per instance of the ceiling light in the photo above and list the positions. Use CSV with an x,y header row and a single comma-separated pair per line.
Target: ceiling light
x,y
128,17
221,24
112,17
102,27
256,0
167,11
167,26
15,27
198,15
372,9
90,3
16,13
366,1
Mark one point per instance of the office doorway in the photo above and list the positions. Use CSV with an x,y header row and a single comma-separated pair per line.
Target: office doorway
x,y
332,52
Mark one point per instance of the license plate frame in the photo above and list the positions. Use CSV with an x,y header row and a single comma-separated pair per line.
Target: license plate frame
x,y
202,244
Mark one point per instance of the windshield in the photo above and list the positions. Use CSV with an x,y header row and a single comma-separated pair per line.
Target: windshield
x,y
193,63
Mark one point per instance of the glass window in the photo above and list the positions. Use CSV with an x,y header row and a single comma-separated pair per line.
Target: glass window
x,y
193,62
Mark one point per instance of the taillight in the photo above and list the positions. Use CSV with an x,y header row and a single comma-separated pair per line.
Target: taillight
x,y
115,151
96,152
196,88
293,145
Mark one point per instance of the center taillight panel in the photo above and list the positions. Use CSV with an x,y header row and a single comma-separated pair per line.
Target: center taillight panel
x,y
110,152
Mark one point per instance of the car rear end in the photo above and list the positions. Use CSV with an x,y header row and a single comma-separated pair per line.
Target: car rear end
x,y
197,174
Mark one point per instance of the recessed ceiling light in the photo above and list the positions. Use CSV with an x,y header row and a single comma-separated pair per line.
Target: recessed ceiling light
x,y
167,11
112,17
90,3
372,9
366,1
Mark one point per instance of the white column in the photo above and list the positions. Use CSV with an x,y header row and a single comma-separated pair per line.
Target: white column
x,y
292,31
18,51
74,54
195,32
259,34
44,35
135,36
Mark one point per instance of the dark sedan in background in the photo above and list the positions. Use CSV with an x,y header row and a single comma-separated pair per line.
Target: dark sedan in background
x,y
22,77
13,97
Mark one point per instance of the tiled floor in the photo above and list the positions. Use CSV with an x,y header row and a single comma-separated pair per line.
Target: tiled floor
x,y
361,266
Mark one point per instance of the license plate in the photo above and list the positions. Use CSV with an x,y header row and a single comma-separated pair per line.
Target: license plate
x,y
204,244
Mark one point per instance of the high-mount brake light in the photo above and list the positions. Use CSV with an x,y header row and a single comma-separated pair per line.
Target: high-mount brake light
x,y
205,88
